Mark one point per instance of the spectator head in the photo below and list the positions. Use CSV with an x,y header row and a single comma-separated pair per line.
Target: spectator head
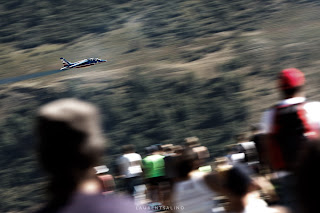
x,y
221,164
151,149
191,141
178,149
237,181
168,148
241,137
148,150
156,148
130,148
106,180
69,136
290,82
186,163
202,154
101,169
230,149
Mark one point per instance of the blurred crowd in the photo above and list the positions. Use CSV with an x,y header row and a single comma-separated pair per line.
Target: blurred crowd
x,y
270,170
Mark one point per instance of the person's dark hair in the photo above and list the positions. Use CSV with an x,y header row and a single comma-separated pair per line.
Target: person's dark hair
x,y
69,143
148,150
128,148
69,136
155,148
238,180
185,162
292,91
158,147
308,178
61,147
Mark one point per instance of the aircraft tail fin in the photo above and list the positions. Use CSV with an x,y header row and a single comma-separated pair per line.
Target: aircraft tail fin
x,y
65,62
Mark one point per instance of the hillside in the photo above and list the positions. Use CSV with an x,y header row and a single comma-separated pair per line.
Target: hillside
x,y
175,68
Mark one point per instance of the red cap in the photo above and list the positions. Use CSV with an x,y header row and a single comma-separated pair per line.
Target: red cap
x,y
291,78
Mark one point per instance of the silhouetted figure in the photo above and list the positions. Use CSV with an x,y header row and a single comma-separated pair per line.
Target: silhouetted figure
x,y
69,145
242,192
288,126
106,180
291,122
154,172
194,193
308,179
257,138
130,170
202,153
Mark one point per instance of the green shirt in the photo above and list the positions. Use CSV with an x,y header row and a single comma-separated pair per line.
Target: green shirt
x,y
153,166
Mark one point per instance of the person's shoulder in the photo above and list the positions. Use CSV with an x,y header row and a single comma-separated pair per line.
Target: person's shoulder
x,y
266,119
97,203
312,107
136,155
115,198
269,111
121,159
155,157
119,203
159,158
111,203
311,104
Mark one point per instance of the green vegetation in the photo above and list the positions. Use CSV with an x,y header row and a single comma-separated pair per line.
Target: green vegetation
x,y
142,110
247,27
32,23
175,69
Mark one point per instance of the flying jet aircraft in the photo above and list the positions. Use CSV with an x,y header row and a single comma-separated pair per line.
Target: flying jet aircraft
x,y
79,64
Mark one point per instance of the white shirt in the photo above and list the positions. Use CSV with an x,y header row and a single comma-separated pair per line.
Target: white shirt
x,y
312,112
256,205
130,165
193,195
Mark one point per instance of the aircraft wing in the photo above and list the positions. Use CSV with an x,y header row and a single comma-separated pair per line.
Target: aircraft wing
x,y
78,63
